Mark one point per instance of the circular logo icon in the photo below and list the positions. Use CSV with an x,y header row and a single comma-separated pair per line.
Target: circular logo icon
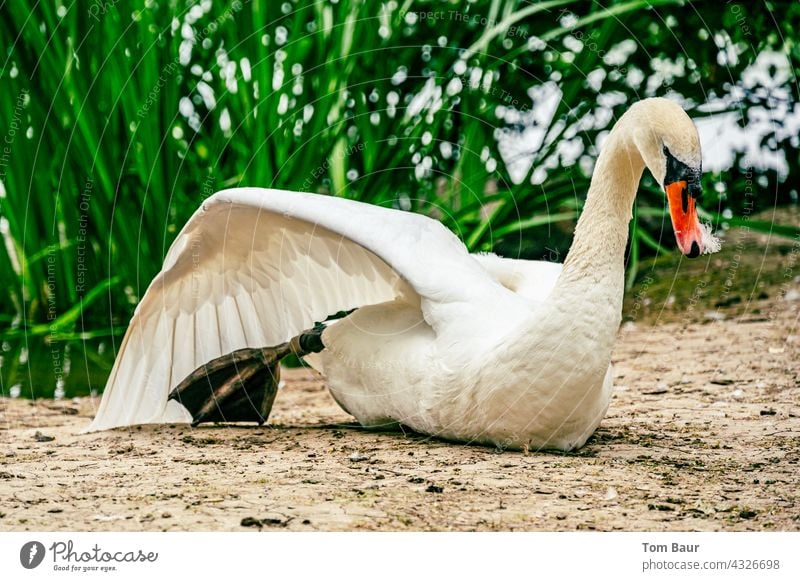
x,y
31,554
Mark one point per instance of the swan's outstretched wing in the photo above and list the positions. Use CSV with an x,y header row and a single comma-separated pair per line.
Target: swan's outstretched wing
x,y
254,267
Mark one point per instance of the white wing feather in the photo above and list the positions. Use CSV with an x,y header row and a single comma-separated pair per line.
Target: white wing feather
x,y
254,267
532,279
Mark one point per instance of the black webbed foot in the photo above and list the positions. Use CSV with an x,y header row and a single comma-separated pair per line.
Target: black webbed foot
x,y
241,386
237,387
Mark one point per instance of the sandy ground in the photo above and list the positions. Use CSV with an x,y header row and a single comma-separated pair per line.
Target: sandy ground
x,y
703,433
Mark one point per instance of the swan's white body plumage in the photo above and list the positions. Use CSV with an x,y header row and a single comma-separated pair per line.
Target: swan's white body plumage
x,y
474,348
432,345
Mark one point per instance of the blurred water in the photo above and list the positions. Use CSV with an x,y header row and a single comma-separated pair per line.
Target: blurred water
x,y
32,367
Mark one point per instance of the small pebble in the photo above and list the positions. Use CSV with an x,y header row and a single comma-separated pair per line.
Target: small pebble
x,y
792,295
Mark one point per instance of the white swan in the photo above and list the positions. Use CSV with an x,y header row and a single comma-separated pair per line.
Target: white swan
x,y
474,348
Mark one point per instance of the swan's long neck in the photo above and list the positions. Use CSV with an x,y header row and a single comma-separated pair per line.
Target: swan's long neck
x,y
593,276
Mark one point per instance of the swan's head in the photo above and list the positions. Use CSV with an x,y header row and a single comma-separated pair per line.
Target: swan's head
x,y
670,147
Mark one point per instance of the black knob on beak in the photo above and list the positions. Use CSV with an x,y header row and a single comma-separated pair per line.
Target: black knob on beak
x,y
694,187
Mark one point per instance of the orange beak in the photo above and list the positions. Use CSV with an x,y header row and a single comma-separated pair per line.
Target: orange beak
x,y
685,222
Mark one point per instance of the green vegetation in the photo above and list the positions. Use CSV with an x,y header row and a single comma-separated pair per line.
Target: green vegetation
x,y
119,117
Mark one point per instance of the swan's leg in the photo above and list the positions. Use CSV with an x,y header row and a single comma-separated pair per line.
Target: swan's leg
x,y
241,386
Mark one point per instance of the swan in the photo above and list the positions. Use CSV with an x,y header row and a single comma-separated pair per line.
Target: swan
x,y
468,347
